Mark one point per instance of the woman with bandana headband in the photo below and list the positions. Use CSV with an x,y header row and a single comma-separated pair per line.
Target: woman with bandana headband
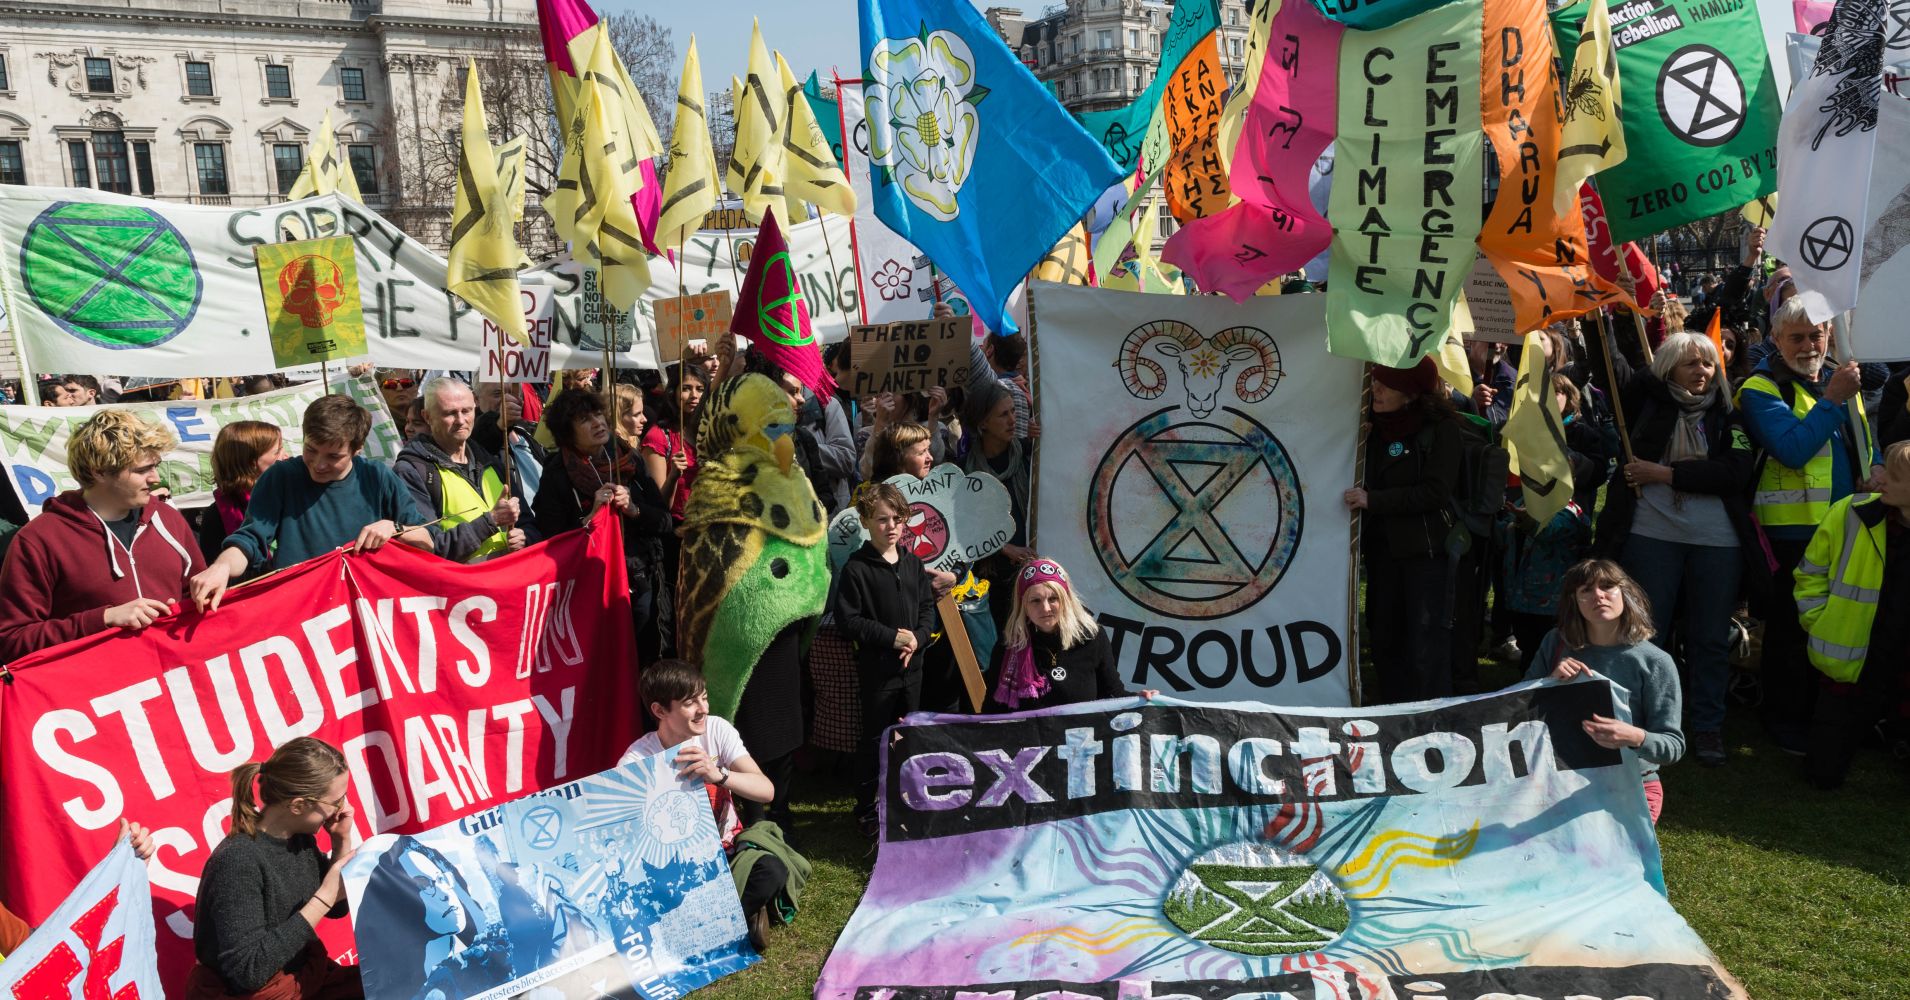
x,y
1053,651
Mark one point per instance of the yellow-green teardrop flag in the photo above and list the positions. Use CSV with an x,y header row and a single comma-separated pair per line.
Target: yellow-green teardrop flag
x,y
811,173
311,300
592,204
1593,136
481,267
326,170
1535,435
691,187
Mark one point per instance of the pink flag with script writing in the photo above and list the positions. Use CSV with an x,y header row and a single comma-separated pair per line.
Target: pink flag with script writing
x,y
1274,229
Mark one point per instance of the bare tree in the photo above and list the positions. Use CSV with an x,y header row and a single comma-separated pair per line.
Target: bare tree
x,y
424,144
720,112
649,53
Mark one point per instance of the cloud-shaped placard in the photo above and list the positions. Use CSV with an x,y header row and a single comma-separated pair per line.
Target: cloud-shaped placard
x,y
955,518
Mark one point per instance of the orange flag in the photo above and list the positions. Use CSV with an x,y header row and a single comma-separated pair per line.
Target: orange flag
x,y
1540,252
1196,181
1714,330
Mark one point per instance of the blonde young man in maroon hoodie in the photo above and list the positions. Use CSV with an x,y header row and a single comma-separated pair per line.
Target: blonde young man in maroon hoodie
x,y
102,556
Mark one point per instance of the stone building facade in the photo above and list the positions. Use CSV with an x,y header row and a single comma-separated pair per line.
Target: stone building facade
x,y
1100,54
218,101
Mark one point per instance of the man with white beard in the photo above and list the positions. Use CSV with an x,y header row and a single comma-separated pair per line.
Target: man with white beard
x,y
1795,408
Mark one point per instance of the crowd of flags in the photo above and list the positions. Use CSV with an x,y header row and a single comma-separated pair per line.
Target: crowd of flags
x,y
975,163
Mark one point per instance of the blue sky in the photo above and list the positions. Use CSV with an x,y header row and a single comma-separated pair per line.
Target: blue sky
x,y
812,34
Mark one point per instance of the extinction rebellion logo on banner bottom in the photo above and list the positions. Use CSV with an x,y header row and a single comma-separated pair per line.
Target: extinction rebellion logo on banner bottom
x,y
115,276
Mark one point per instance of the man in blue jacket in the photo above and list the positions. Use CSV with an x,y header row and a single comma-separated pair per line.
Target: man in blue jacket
x,y
1797,408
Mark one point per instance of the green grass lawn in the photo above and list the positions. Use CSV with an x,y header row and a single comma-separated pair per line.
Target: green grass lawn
x,y
1805,895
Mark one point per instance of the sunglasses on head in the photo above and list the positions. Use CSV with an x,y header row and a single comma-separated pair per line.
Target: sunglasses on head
x,y
398,383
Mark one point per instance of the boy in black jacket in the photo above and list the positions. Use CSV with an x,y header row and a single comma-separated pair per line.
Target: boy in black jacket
x,y
886,605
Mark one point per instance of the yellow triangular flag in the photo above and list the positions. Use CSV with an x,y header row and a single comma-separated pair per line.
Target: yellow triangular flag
x,y
482,265
756,163
327,171
691,187
1760,212
1067,263
1453,364
1535,435
813,174
1233,117
591,204
1594,134
511,157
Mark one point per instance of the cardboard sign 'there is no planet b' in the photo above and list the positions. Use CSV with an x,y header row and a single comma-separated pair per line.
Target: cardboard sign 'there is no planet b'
x,y
911,356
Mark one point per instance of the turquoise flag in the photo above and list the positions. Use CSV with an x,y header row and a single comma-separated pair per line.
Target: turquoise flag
x,y
1122,129
828,115
970,157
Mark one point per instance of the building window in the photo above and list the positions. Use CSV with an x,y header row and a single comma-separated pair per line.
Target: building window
x,y
210,159
82,176
1157,44
1104,39
1233,17
111,164
1234,44
287,159
198,79
364,168
278,82
99,76
4,84
352,81
1133,38
143,166
13,164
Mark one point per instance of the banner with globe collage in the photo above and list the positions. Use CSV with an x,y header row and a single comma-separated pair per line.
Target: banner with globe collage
x,y
614,885
1122,850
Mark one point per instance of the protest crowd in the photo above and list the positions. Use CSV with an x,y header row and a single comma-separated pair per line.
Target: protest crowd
x,y
1728,534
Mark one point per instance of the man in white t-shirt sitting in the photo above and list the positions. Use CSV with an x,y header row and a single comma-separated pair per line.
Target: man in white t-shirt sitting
x,y
713,751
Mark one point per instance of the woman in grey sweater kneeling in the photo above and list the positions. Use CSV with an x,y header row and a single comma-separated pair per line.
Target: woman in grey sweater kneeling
x,y
1605,625
267,885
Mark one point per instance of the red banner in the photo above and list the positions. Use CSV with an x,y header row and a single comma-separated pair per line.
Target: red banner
x,y
1598,236
450,689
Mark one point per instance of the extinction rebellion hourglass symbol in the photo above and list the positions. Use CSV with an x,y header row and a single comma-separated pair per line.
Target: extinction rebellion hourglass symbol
x,y
1196,509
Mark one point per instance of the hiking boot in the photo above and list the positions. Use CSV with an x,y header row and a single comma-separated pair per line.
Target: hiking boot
x,y
1506,652
759,930
1709,746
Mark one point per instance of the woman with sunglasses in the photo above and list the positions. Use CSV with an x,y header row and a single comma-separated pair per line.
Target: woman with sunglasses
x,y
267,885
1054,653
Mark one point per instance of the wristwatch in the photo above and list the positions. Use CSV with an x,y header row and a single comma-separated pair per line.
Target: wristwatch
x,y
724,780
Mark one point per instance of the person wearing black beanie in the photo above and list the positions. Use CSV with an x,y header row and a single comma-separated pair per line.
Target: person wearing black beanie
x,y
1413,458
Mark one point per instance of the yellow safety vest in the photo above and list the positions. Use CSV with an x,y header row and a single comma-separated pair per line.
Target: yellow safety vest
x,y
1839,583
461,504
1798,497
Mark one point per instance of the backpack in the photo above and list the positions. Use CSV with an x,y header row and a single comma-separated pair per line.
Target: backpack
x,y
1484,466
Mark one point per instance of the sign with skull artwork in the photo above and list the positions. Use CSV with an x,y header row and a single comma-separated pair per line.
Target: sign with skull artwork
x,y
1197,504
312,309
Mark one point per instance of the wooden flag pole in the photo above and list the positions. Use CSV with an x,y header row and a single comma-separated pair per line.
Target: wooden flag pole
x,y
1637,317
1618,402
1859,427
609,388
829,249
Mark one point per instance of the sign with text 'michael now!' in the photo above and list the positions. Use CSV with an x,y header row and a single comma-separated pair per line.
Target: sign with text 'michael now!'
x,y
1475,849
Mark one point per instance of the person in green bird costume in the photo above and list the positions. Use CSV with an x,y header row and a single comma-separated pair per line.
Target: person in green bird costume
x,y
754,576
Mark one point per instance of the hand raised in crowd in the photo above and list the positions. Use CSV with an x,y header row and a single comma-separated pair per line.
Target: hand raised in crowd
x,y
1754,250
512,408
209,585
679,460
1017,554
944,311
1845,383
504,515
694,761
373,536
515,540
143,847
1355,498
138,613
1611,733
1639,472
937,400
943,582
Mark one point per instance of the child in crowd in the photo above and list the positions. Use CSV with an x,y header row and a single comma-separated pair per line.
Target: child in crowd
x,y
767,871
267,886
1604,624
307,506
885,604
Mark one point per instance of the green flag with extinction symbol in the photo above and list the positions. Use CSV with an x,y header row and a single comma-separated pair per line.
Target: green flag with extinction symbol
x,y
1700,112
311,300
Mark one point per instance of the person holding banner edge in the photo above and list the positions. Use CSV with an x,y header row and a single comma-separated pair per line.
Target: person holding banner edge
x,y
459,483
102,556
330,496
